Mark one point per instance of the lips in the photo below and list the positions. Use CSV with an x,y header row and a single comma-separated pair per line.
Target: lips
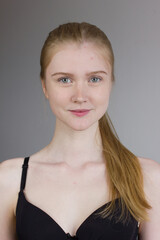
x,y
80,110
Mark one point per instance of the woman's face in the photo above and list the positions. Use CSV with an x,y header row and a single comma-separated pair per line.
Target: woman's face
x,y
78,77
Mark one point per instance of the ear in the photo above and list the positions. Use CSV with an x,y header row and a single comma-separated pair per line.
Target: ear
x,y
44,88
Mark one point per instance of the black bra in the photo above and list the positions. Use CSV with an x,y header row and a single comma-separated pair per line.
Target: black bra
x,y
32,223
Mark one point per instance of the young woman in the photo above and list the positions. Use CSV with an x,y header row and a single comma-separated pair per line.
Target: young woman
x,y
84,184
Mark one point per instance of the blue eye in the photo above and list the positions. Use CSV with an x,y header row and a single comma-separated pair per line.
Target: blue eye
x,y
64,79
61,80
96,79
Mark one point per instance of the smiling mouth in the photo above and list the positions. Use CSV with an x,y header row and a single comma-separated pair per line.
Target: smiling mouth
x,y
80,110
80,113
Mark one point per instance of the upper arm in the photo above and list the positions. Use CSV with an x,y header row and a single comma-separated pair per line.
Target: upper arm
x,y
150,230
8,192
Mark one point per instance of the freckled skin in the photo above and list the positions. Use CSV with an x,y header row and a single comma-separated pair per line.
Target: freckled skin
x,y
80,93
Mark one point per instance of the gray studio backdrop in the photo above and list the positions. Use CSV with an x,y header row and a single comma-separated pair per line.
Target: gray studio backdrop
x,y
27,124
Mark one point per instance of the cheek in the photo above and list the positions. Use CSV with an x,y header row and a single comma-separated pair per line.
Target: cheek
x,y
103,103
57,100
102,96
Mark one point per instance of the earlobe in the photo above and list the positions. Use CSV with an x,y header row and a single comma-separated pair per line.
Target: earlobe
x,y
44,88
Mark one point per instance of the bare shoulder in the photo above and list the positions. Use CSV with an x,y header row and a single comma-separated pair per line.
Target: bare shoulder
x,y
147,162
151,173
11,163
10,174
150,168
9,169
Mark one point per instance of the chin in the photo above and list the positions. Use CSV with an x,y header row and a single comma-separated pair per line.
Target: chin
x,y
81,126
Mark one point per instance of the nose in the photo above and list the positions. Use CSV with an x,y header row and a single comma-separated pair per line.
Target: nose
x,y
80,93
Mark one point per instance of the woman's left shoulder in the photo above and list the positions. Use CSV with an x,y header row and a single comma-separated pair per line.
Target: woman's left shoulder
x,y
150,168
151,175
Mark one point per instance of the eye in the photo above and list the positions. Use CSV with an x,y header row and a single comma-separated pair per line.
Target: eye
x,y
95,79
64,78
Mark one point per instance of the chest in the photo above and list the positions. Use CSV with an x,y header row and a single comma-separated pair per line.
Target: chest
x,y
68,197
34,224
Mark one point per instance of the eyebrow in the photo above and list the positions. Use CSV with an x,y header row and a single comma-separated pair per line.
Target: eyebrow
x,y
65,73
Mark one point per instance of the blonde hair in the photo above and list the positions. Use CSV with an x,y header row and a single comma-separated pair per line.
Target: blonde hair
x,y
124,173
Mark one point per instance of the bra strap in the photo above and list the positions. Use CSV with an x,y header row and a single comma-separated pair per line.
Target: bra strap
x,y
24,173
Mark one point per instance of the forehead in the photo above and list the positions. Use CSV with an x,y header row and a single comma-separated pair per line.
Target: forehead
x,y
80,54
84,46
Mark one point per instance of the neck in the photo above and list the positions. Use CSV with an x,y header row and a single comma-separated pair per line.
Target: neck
x,y
76,147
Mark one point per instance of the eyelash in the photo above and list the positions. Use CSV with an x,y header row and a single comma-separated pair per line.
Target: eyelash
x,y
59,79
